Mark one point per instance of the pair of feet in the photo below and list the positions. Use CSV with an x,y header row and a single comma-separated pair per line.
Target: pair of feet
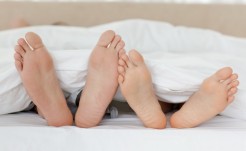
x,y
214,95
38,75
36,69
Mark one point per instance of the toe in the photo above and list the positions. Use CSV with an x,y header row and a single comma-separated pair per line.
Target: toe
x,y
127,61
18,65
223,74
34,40
230,99
122,62
120,45
115,42
24,45
18,57
232,91
136,57
234,77
121,70
120,79
227,82
20,50
233,84
231,79
106,38
121,52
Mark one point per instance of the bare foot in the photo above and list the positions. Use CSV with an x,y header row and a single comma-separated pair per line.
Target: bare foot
x,y
18,23
136,86
101,83
214,95
36,69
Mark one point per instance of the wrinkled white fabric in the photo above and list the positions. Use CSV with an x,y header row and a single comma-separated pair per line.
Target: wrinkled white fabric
x,y
179,58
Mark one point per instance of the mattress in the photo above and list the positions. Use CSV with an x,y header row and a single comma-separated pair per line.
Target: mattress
x,y
28,131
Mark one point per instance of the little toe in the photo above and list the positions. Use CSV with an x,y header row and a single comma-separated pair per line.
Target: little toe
x,y
223,74
136,57
106,38
22,42
20,50
230,99
120,45
18,65
34,40
115,42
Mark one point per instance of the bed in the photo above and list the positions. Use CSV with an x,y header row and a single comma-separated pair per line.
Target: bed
x,y
28,131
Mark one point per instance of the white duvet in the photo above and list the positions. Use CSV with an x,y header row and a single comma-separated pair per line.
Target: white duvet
x,y
179,58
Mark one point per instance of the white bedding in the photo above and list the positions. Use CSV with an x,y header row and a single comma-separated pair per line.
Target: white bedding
x,y
26,131
187,54
179,59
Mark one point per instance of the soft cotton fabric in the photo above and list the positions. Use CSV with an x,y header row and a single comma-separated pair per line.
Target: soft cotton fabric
x,y
179,58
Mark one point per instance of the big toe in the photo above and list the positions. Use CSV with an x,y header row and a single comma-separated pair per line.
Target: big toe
x,y
223,73
34,40
136,57
106,38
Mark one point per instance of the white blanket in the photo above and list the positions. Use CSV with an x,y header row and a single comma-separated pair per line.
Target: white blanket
x,y
179,59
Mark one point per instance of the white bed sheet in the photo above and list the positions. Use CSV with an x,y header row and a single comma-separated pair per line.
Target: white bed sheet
x,y
28,131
